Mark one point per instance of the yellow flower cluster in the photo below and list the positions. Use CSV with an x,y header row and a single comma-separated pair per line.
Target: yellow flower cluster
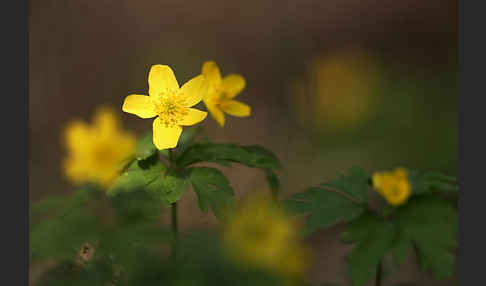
x,y
171,104
96,152
394,186
260,234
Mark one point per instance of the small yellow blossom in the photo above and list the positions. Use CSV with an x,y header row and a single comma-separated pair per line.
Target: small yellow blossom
x,y
169,103
221,93
96,152
393,186
261,235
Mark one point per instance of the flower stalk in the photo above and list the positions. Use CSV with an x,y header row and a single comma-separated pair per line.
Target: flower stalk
x,y
175,230
174,222
379,270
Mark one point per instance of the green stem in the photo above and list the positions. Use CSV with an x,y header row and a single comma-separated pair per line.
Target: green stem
x,y
171,158
174,223
175,230
379,270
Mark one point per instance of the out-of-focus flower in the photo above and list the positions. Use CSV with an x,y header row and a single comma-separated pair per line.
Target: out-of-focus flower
x,y
394,186
338,93
169,103
221,93
96,152
260,234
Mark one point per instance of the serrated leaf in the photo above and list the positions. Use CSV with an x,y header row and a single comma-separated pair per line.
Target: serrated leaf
x,y
168,188
260,158
354,183
400,248
213,190
145,147
326,208
137,176
225,154
430,225
369,251
428,182
358,229
435,259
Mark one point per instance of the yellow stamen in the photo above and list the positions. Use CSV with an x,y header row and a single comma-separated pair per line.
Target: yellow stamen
x,y
169,106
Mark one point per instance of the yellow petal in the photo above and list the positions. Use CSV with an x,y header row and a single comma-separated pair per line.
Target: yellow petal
x,y
236,108
193,116
401,173
105,123
76,135
140,105
233,84
161,78
194,90
165,137
105,119
211,72
74,170
216,113
377,180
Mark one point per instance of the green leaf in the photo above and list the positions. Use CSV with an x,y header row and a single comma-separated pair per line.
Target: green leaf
x,y
341,200
358,229
145,147
213,190
439,176
273,182
137,176
65,228
354,183
400,248
428,182
375,237
260,158
136,207
225,154
168,188
430,225
326,208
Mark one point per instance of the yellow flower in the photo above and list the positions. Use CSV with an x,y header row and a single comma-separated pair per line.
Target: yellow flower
x,y
169,103
393,186
339,92
261,235
96,152
221,93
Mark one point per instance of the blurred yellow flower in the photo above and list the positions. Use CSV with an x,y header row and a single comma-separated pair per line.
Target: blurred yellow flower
x,y
96,152
339,91
261,235
221,93
169,103
394,186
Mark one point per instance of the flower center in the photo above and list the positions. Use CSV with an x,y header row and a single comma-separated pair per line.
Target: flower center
x,y
219,95
103,154
169,105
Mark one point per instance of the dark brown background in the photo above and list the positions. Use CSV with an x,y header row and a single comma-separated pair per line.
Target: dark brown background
x,y
87,53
